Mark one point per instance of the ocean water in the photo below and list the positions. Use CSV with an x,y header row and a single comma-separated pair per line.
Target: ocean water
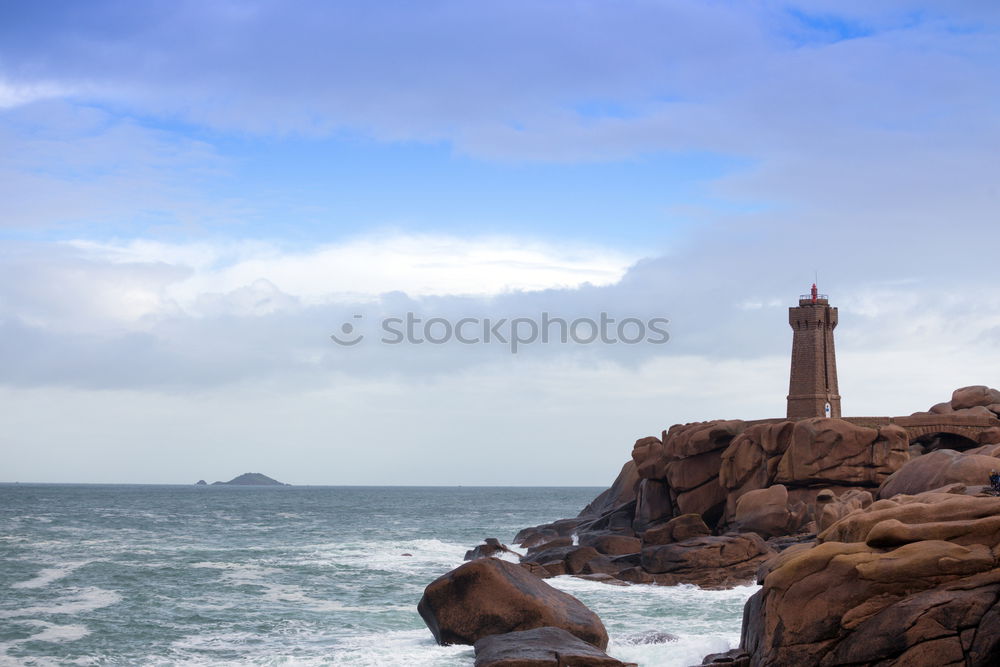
x,y
172,575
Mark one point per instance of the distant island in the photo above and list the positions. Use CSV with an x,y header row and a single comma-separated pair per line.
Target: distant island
x,y
248,479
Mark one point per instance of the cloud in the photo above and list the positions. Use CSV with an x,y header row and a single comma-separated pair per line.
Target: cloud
x,y
80,167
836,114
20,94
850,130
175,317
90,287
152,314
364,267
521,80
863,142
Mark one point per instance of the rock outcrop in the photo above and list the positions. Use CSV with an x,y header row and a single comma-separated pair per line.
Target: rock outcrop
x,y
488,596
973,397
547,532
490,547
710,562
807,454
909,581
732,658
834,451
726,480
574,559
611,544
830,508
874,541
677,529
538,648
694,453
622,491
941,468
767,512
654,504
977,400
803,458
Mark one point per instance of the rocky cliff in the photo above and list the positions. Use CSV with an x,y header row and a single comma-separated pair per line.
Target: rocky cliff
x,y
874,544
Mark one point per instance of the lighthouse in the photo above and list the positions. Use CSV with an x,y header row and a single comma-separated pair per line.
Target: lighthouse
x,y
812,388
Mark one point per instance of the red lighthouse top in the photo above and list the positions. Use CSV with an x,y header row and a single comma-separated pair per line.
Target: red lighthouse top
x,y
814,298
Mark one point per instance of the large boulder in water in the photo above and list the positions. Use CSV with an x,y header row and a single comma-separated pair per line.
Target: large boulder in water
x,y
488,596
539,648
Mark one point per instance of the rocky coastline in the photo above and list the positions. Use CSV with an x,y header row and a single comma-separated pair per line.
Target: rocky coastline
x,y
876,541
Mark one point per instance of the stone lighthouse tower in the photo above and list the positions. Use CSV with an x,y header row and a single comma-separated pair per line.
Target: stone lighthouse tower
x,y
813,390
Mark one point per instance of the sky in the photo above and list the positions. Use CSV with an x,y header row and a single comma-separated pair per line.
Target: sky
x,y
197,196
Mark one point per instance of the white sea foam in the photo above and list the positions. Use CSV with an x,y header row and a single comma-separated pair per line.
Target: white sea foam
x,y
703,621
50,632
405,556
295,594
239,572
215,641
414,648
38,518
76,601
681,653
290,593
50,574
509,557
253,648
57,633
258,575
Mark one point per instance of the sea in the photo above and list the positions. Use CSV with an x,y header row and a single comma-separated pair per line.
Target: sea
x,y
223,575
